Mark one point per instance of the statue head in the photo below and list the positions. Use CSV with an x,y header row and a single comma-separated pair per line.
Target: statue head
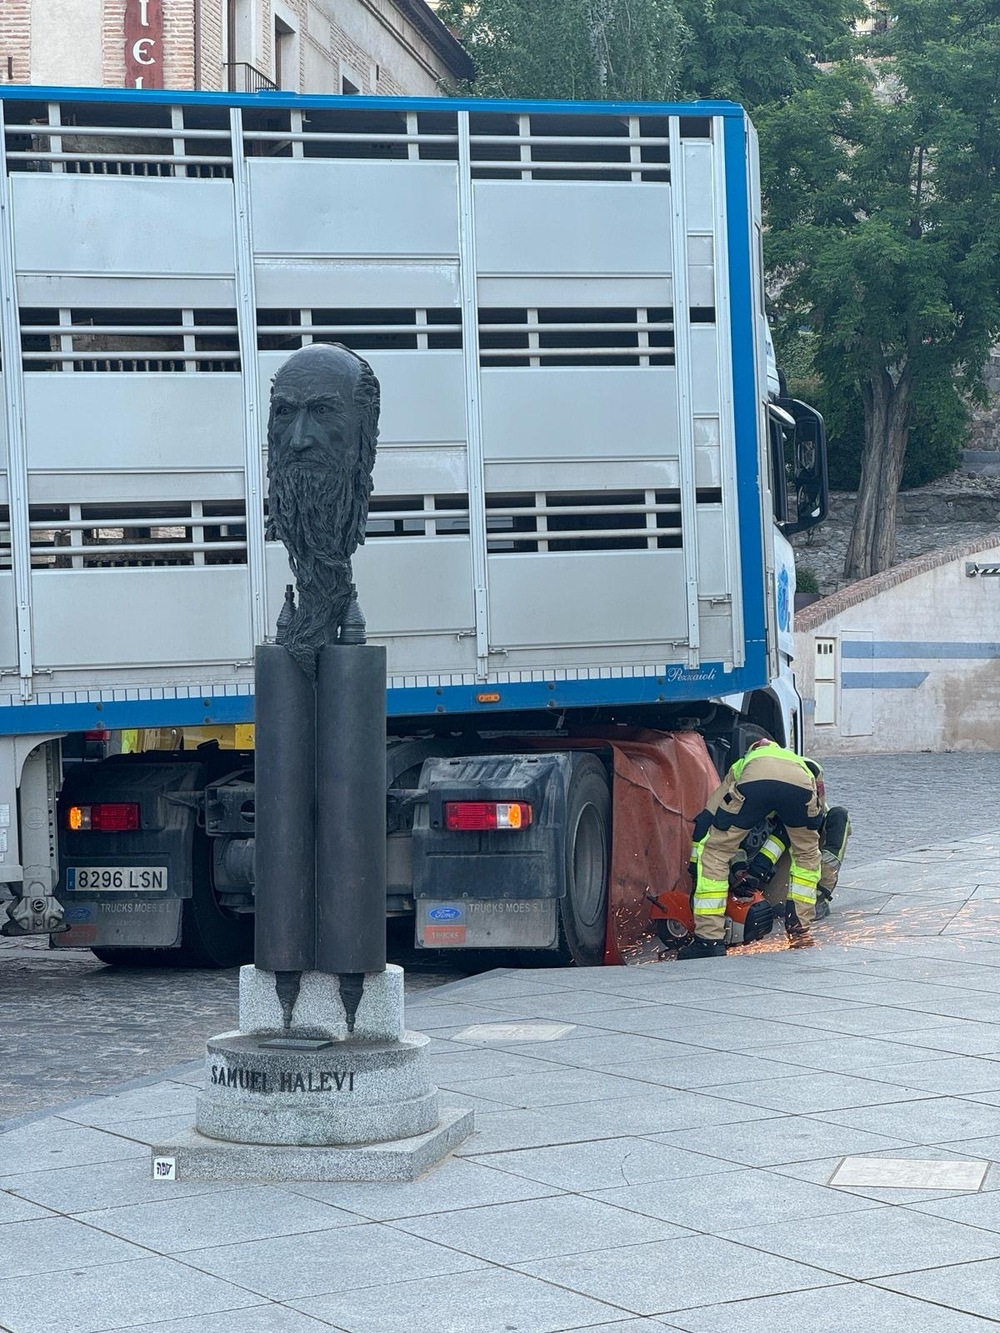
x,y
324,410
322,433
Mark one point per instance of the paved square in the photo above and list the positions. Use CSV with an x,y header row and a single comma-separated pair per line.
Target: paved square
x,y
766,1142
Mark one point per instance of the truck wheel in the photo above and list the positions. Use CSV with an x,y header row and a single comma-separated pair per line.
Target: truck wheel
x,y
583,911
211,936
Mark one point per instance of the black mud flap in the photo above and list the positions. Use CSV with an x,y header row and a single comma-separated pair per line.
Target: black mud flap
x,y
126,890
127,924
495,889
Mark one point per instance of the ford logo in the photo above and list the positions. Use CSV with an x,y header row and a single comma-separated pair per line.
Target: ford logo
x,y
76,914
444,913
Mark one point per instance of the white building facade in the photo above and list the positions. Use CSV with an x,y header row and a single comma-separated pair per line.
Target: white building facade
x,y
383,47
907,660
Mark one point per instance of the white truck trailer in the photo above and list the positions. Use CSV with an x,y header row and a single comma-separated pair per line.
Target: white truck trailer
x,y
586,477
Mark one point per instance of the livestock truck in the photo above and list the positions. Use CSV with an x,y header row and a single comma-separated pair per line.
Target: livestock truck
x,y
586,480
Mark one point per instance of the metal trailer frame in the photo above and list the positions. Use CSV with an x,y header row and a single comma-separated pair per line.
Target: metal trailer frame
x,y
45,694
47,701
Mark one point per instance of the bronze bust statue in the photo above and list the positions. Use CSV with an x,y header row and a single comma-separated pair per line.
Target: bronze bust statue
x,y
322,434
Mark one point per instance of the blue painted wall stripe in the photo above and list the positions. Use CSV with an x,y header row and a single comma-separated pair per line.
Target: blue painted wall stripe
x,y
883,680
926,648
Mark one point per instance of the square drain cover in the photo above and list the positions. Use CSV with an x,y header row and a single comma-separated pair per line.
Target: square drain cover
x,y
514,1032
909,1173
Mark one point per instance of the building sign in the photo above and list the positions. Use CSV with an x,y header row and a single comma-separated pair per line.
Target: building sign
x,y
143,43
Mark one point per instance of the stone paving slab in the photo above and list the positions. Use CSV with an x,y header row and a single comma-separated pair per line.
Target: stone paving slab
x,y
971,1287
852,1308
268,1318
733,1199
484,1301
335,1260
513,1233
194,1222
664,1163
877,1242
92,1300
673,1274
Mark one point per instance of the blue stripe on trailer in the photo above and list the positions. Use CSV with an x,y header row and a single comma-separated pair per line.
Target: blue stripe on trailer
x,y
745,395
675,685
21,92
121,714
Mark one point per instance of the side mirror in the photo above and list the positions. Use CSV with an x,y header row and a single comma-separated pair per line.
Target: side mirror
x,y
805,468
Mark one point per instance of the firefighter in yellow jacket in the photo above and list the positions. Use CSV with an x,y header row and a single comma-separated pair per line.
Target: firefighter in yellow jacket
x,y
768,780
768,866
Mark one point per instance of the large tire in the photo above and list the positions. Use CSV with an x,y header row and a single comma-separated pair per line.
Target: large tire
x,y
583,912
211,936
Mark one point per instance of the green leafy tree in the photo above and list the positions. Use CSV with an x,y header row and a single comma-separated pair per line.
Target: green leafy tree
x,y
882,210
760,51
751,50
583,49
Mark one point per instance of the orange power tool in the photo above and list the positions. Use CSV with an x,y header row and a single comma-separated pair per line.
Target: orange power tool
x,y
749,915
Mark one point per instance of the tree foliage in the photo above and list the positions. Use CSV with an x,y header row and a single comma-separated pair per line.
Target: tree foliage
x,y
753,51
761,51
881,205
580,49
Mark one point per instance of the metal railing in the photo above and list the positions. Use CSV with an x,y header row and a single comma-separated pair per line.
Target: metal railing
x,y
242,77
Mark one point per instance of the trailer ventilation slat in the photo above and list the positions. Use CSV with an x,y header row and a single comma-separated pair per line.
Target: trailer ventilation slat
x,y
113,341
576,336
551,147
107,536
116,139
369,330
545,521
378,134
193,142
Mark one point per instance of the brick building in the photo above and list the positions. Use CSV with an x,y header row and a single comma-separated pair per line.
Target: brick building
x,y
389,47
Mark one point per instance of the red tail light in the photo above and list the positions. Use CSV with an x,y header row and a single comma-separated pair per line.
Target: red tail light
x,y
473,815
111,817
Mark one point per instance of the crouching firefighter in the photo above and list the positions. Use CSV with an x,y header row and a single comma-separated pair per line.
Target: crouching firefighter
x,y
765,866
768,781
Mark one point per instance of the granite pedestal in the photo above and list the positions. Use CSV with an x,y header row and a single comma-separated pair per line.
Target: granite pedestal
x,y
315,1101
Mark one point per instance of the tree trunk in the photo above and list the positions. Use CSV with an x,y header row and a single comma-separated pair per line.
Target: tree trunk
x,y
598,16
887,403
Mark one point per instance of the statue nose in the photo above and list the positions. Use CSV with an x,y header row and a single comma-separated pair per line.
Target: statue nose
x,y
301,436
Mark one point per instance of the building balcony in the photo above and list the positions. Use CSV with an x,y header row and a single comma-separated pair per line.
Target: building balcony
x,y
241,77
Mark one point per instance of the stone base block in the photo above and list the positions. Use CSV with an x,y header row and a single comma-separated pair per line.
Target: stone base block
x,y
193,1156
319,1011
347,1092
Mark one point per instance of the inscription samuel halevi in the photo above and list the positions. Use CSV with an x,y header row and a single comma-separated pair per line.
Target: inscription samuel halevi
x,y
256,1080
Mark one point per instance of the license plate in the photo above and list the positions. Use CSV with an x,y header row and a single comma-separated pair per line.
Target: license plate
x,y
114,879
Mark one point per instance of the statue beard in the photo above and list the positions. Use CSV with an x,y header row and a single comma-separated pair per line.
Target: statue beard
x,y
312,515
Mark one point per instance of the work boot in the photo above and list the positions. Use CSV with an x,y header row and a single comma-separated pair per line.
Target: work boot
x,y
699,948
823,897
799,935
